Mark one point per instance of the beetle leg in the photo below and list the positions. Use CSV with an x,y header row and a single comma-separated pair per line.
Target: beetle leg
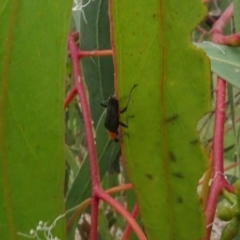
x,y
123,124
126,125
103,104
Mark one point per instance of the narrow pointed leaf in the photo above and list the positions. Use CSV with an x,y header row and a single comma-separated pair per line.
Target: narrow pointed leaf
x,y
224,61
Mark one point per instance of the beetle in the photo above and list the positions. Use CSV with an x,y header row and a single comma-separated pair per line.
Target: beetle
x,y
112,121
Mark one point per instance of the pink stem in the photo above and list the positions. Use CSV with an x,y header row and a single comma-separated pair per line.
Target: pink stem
x,y
89,134
217,37
222,21
219,182
70,97
96,53
128,229
218,178
121,210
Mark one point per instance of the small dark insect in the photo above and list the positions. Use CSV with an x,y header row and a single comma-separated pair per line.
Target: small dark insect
x,y
112,121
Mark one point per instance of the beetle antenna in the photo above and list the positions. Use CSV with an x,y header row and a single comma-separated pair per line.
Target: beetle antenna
x,y
129,95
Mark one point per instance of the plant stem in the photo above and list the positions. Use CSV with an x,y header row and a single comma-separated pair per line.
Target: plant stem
x,y
89,134
219,182
96,53
79,209
70,97
217,37
120,209
128,228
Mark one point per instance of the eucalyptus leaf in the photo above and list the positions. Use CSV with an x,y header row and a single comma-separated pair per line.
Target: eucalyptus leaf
x,y
225,61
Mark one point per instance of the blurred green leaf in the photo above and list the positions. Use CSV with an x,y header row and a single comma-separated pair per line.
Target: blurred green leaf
x,y
71,160
97,71
224,61
33,45
164,161
104,230
236,4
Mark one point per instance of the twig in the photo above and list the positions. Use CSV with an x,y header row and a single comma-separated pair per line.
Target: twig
x,y
128,228
217,36
89,134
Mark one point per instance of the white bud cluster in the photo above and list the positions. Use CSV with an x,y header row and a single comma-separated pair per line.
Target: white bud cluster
x,y
43,229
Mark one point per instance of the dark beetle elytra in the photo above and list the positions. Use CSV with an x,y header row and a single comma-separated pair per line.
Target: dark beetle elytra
x,y
112,117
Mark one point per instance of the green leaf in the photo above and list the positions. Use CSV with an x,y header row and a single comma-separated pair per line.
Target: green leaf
x,y
236,4
224,61
104,233
71,160
164,161
97,71
33,45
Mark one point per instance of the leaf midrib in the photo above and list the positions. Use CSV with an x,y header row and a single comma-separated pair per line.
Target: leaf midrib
x,y
163,123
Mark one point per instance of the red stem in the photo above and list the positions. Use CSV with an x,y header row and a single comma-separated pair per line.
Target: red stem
x,y
218,179
217,37
89,134
70,97
219,126
222,21
128,229
96,53
219,182
121,210
84,204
